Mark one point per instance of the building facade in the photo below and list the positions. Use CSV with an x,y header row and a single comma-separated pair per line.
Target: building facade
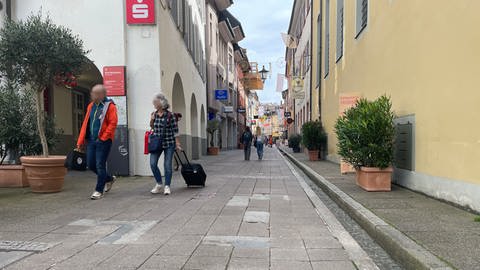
x,y
298,70
224,55
399,48
166,55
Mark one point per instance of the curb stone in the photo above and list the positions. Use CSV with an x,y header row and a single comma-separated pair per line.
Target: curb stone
x,y
402,248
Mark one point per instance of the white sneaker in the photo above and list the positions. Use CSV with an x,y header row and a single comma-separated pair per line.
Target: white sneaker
x,y
96,195
157,189
109,185
166,190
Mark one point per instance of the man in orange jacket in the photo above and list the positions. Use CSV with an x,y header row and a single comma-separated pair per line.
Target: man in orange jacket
x,y
97,133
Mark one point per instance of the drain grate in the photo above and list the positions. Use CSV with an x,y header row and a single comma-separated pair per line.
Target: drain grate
x,y
24,246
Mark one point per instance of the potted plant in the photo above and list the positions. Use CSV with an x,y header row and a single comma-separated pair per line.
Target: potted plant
x,y
294,142
212,127
34,53
313,138
366,136
18,133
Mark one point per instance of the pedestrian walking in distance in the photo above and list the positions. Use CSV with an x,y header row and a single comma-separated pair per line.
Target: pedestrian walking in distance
x,y
165,126
97,134
258,142
246,140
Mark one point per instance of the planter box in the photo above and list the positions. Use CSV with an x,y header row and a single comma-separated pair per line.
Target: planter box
x,y
45,174
213,151
13,176
313,155
375,179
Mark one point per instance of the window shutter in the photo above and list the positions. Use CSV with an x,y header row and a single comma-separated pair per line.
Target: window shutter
x,y
340,12
364,13
174,11
327,37
361,16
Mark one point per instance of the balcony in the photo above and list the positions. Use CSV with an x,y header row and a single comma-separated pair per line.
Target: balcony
x,y
225,29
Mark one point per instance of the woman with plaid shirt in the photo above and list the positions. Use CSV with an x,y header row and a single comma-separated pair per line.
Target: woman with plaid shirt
x,y
164,124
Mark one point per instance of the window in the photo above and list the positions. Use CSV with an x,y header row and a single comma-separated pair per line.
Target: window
x,y
319,48
340,8
327,37
361,16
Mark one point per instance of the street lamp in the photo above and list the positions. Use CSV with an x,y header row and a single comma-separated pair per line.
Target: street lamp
x,y
263,73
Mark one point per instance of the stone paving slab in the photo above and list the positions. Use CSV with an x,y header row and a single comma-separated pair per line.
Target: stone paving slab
x,y
251,215
445,230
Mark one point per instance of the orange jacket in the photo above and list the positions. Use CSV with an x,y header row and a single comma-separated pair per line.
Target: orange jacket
x,y
108,123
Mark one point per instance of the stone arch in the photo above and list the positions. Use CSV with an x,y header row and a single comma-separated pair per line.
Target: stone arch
x,y
179,106
203,130
195,136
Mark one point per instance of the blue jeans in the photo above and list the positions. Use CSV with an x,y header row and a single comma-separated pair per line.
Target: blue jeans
x,y
97,154
260,150
167,165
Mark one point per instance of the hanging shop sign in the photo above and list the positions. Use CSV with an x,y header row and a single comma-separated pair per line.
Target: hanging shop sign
x,y
241,110
298,91
114,80
287,114
221,94
140,11
228,109
252,81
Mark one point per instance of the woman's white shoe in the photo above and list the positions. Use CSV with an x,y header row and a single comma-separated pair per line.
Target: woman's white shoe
x,y
166,190
157,189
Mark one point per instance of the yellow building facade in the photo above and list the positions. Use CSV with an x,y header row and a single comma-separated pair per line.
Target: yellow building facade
x,y
424,55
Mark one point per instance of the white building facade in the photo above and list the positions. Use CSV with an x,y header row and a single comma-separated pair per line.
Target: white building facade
x,y
166,56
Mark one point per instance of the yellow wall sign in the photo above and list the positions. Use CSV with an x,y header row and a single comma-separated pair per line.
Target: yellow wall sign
x,y
347,101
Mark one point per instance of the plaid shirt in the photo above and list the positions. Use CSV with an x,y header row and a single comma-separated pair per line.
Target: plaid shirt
x,y
166,126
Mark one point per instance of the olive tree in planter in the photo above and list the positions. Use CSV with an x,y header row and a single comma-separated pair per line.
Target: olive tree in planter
x,y
366,136
314,138
18,134
34,53
294,142
212,127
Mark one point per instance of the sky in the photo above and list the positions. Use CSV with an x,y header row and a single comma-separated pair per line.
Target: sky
x,y
262,22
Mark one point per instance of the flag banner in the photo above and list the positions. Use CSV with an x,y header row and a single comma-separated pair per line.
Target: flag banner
x,y
280,82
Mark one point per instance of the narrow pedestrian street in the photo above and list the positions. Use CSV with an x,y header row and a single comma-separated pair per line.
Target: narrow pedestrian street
x,y
251,215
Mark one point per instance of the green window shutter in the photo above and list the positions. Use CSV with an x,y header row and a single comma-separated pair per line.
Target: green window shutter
x,y
327,38
340,12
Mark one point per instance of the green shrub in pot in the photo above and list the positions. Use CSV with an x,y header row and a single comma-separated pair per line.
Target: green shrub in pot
x,y
313,135
294,142
366,133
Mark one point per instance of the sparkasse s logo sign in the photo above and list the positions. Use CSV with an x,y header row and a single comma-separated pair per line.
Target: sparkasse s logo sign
x,y
140,11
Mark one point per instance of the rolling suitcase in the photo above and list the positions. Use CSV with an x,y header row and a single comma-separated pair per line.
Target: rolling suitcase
x,y
192,173
76,160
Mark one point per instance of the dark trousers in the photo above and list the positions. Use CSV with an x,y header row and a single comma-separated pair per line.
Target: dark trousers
x,y
247,150
97,154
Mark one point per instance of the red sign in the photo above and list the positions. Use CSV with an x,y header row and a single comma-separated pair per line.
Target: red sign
x,y
114,80
140,11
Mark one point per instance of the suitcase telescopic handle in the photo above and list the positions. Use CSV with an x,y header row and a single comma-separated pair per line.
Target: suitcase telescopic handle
x,y
185,155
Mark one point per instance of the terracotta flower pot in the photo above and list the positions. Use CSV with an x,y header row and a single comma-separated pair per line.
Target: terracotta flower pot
x,y
13,176
313,155
45,174
375,179
213,151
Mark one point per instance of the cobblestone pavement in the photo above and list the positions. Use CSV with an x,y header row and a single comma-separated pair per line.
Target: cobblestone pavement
x,y
448,232
251,215
377,253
